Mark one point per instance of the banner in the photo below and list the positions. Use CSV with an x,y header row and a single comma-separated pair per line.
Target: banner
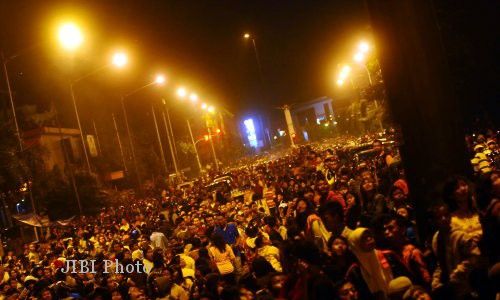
x,y
92,145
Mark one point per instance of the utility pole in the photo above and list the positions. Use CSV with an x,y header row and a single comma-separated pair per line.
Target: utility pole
x,y
131,143
194,145
159,141
97,138
69,166
11,98
170,143
84,146
119,143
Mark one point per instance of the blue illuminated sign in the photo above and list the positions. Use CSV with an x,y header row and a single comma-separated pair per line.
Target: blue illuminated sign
x,y
251,134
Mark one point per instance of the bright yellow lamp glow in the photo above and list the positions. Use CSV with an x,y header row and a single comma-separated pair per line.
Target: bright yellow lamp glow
x,y
181,92
119,59
211,109
204,106
160,79
345,70
364,47
359,57
246,35
70,36
193,97
340,82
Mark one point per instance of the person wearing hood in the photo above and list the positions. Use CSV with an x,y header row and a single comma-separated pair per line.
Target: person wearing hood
x,y
375,269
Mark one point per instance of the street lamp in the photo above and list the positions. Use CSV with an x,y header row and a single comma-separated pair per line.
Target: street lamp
x,y
194,145
181,92
248,36
193,97
345,71
359,57
118,60
204,106
159,80
211,109
364,47
70,36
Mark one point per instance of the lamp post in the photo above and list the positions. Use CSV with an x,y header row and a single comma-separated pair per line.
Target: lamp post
x,y
170,134
360,57
194,145
119,142
210,110
248,36
11,98
159,140
159,80
119,60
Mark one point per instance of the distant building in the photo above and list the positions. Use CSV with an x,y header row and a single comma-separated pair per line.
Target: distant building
x,y
54,140
311,113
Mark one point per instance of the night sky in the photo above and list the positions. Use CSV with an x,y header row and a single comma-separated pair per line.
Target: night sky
x,y
197,43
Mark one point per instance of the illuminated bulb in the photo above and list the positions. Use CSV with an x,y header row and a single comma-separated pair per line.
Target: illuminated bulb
x,y
160,79
70,36
211,109
204,106
359,57
193,97
345,70
364,47
119,59
181,92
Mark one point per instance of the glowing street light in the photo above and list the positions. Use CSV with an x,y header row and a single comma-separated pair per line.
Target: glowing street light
x,y
345,71
211,109
181,92
340,82
160,79
246,35
193,97
70,36
364,47
204,106
119,59
359,57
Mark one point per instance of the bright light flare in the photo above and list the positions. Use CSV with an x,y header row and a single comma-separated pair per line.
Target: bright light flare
x,y
345,70
246,35
211,109
181,92
340,82
70,36
160,79
364,47
193,97
359,57
204,106
119,59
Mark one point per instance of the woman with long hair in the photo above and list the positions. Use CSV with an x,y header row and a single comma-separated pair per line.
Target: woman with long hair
x,y
222,255
457,194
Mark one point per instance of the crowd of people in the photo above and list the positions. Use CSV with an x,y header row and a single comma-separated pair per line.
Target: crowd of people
x,y
318,223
